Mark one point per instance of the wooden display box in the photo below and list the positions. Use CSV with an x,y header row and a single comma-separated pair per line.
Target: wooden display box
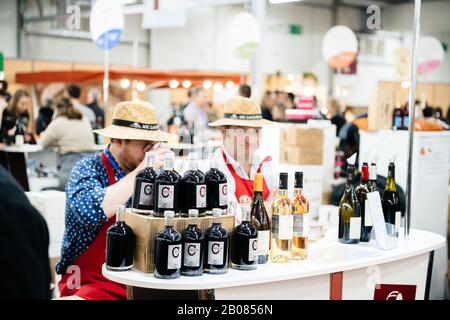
x,y
301,155
293,136
145,229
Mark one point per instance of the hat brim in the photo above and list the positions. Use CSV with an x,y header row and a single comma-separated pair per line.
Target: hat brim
x,y
241,123
119,132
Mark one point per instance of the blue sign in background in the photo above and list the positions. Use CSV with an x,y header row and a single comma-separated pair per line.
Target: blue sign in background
x,y
113,39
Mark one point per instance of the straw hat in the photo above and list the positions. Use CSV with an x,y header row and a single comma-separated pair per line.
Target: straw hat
x,y
243,112
134,120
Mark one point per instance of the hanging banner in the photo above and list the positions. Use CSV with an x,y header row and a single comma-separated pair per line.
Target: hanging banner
x,y
430,54
106,23
244,35
339,47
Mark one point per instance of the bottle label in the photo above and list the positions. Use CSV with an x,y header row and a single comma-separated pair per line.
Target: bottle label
x,y
398,219
252,249
174,256
405,121
367,215
201,196
19,140
301,225
166,196
215,252
146,196
397,121
355,228
223,194
282,227
263,242
192,254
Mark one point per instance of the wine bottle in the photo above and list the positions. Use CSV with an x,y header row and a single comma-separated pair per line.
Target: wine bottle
x,y
361,193
119,244
390,203
405,117
216,188
143,196
244,245
397,118
300,213
166,187
260,219
373,177
19,134
217,241
192,188
282,224
168,245
349,212
193,247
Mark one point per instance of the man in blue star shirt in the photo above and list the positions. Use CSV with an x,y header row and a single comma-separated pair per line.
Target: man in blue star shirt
x,y
97,185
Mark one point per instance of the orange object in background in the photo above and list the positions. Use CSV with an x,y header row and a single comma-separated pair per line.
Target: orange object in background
x,y
424,124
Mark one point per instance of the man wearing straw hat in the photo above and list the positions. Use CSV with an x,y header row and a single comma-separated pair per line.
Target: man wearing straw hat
x,y
240,158
97,185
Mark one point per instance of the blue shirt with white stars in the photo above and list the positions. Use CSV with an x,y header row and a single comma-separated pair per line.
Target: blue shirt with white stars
x,y
84,216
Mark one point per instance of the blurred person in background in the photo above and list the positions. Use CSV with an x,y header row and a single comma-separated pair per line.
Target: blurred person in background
x,y
45,116
73,92
71,133
336,116
93,97
24,242
267,105
194,113
245,91
15,116
278,112
290,101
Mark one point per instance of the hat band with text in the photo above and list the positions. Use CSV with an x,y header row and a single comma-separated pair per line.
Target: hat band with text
x,y
135,125
243,116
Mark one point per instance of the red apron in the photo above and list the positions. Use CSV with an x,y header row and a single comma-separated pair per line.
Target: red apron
x,y
244,187
93,285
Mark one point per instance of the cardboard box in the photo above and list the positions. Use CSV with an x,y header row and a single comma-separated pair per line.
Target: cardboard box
x,y
294,136
302,155
145,229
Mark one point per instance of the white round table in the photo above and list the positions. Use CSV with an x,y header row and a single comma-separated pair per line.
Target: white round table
x,y
332,271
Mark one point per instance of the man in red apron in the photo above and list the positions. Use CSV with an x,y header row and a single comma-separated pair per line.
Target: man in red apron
x,y
97,185
240,158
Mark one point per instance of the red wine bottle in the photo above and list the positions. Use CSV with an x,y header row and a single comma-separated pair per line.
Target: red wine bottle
x,y
244,245
216,188
119,244
361,192
217,241
193,192
168,252
166,187
193,247
143,196
390,203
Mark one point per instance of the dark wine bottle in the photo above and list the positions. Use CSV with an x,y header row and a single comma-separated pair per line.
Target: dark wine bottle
x,y
216,188
217,241
373,177
166,187
168,251
390,203
361,192
260,219
143,196
192,188
193,247
349,212
119,244
19,136
244,245
397,118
